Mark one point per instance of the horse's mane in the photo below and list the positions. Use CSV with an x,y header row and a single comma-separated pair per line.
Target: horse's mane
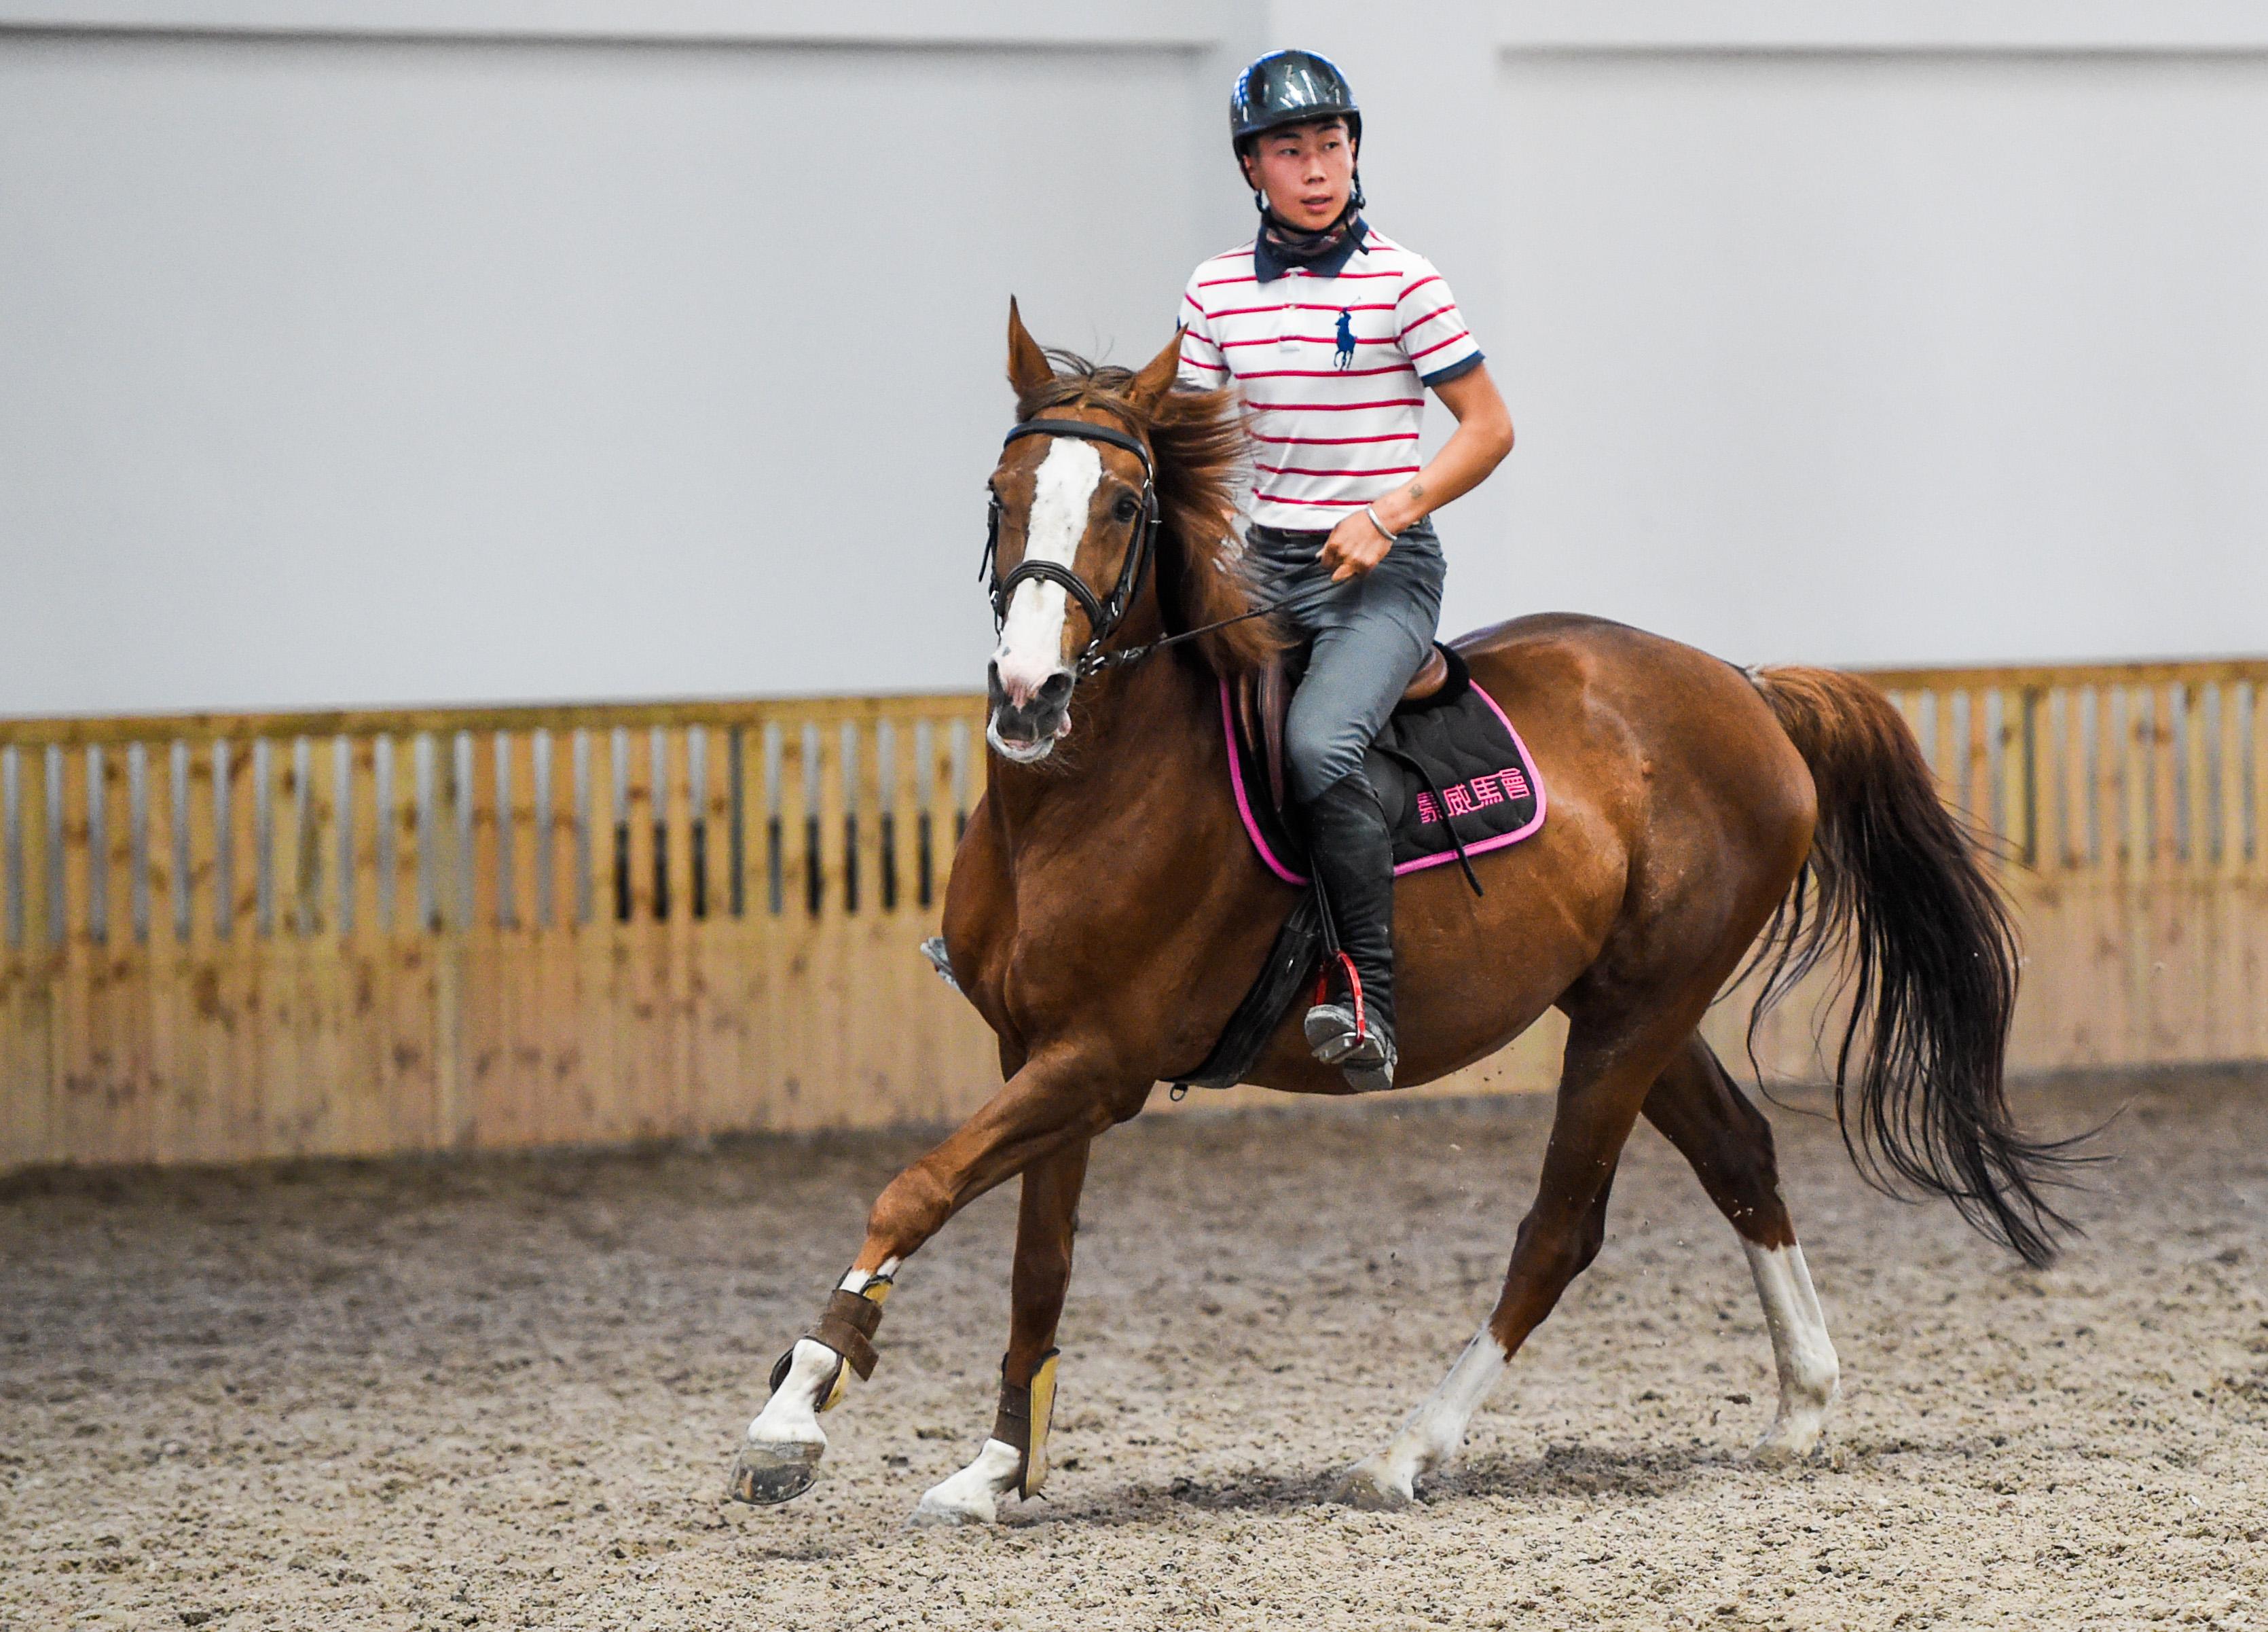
x,y
1198,443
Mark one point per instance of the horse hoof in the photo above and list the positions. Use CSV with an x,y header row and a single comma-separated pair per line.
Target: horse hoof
x,y
764,1475
1370,1486
939,1516
1786,1445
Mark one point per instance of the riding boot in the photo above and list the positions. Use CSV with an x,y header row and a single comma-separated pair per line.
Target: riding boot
x,y
1354,857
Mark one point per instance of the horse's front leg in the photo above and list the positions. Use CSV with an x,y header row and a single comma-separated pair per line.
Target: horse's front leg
x,y
1057,1100
1015,1456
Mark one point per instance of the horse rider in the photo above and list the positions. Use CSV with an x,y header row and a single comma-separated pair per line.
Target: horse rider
x,y
1338,495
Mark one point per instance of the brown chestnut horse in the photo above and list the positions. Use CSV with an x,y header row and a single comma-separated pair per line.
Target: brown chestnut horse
x,y
1106,914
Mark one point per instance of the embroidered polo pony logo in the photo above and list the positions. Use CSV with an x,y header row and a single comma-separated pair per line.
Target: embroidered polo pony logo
x,y
1345,358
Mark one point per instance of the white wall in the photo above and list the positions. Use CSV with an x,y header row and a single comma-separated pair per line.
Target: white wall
x,y
390,351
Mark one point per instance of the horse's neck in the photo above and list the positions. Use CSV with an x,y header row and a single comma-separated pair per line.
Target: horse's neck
x,y
1146,730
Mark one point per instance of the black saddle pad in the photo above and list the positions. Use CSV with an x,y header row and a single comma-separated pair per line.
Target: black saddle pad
x,y
1448,770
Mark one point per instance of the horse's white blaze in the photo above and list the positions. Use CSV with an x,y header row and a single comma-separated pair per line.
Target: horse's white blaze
x,y
973,1494
1435,1431
1031,638
1801,1353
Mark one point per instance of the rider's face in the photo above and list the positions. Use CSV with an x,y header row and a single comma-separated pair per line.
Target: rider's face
x,y
1307,171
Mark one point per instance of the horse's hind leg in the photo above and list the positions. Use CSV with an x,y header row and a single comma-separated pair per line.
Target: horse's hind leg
x,y
1700,1109
1611,1062
1047,1218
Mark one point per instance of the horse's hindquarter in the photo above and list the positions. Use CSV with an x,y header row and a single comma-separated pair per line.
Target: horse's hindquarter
x,y
1673,761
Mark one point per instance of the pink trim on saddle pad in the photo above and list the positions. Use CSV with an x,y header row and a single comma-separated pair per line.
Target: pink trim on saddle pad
x,y
1275,866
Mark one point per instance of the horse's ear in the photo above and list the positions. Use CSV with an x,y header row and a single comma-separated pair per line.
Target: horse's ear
x,y
1157,376
1028,368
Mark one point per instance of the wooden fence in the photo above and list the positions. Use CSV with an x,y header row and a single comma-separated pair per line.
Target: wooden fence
x,y
235,937
2131,804
240,937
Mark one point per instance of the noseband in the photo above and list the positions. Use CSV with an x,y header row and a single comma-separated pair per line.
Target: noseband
x,y
1103,616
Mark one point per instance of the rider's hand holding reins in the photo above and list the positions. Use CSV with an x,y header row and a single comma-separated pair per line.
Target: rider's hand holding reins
x,y
1478,445
1355,546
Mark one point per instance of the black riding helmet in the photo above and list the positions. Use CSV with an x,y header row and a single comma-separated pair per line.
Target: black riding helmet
x,y
1292,88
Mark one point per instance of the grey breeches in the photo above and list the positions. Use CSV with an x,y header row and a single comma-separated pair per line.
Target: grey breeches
x,y
1367,639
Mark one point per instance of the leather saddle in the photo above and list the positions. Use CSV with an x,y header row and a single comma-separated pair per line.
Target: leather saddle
x,y
1263,699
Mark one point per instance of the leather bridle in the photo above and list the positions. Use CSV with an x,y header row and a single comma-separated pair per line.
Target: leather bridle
x,y
1103,614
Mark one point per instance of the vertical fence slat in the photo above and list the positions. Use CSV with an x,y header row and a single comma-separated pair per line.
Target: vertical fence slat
x,y
2228,812
2166,762
526,1016
2196,795
123,1088
601,950
118,847
35,1133
34,817
236,958
484,1045
2079,826
2111,812
2050,813
522,846
486,821
786,1011
2020,748
562,829
638,814
1977,781
672,964
169,1036
676,803
722,837
408,985
1945,754
362,852
77,848
2256,762
295,865
78,1121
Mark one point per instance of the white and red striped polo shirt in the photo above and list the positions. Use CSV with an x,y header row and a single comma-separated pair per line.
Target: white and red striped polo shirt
x,y
1332,370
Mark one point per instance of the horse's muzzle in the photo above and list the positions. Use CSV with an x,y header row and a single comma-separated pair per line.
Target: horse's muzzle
x,y
1025,729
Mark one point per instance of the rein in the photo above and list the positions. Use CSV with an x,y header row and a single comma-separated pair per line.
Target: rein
x,y
1104,615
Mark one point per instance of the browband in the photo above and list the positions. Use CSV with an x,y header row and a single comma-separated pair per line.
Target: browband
x,y
1080,428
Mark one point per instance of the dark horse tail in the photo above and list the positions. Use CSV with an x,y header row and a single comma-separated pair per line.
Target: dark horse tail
x,y
1899,881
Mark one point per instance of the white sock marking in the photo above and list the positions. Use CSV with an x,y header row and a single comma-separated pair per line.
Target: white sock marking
x,y
790,1416
1031,638
1801,1353
973,1494
1435,1432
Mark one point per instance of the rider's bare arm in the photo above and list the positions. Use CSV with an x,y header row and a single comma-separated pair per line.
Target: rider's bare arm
x,y
1478,445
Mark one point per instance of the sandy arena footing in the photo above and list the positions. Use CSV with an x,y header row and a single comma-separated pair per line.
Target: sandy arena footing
x,y
505,1391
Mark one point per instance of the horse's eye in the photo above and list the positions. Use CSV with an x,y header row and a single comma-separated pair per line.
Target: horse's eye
x,y
1126,509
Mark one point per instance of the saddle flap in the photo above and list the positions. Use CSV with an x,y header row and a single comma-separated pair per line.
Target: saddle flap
x,y
1264,701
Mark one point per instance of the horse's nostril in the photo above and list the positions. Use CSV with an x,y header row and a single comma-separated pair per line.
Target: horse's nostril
x,y
1055,690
